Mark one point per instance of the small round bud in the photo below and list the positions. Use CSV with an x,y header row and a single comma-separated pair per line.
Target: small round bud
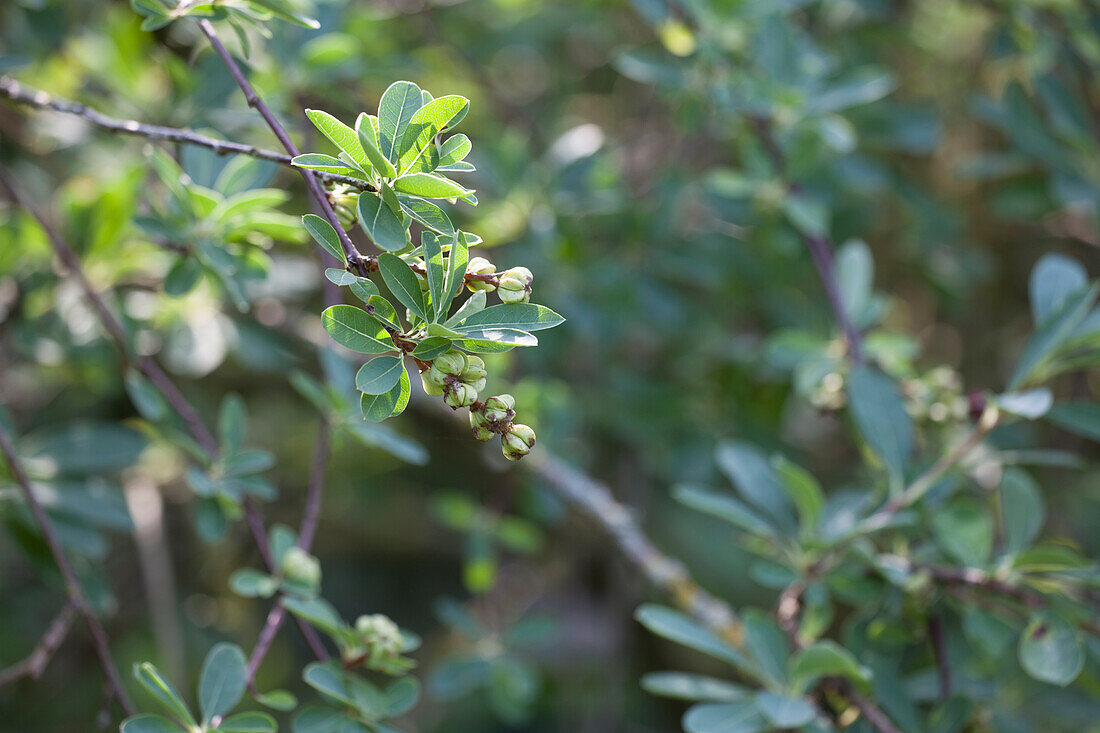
x,y
436,377
300,567
432,389
479,266
459,394
475,370
500,408
478,385
517,442
515,285
380,634
452,363
479,426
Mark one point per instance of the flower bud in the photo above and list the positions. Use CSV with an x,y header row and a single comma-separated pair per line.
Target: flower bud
x,y
478,385
515,285
475,370
460,394
381,635
431,388
517,442
300,567
451,364
435,377
480,426
344,201
479,266
501,407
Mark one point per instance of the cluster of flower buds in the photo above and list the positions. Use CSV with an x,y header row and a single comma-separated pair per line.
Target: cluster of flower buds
x,y
494,417
456,376
380,635
513,285
936,396
344,201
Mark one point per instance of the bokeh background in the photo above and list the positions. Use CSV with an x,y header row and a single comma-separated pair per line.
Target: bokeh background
x,y
617,159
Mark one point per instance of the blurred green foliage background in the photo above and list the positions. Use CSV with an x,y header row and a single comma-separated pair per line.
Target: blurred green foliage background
x,y
617,159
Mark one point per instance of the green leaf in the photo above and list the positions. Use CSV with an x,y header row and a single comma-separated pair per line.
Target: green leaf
x,y
316,719
808,215
146,398
148,723
456,277
519,316
223,680
383,311
368,139
183,276
325,163
430,348
251,583
1054,278
403,283
427,214
379,375
252,722
680,628
433,266
825,659
1082,418
151,679
323,233
401,696
804,491
328,679
425,124
315,611
277,700
768,646
341,136
377,408
1030,404
724,507
453,150
1022,509
1051,650
82,447
355,329
879,413
750,471
682,686
491,337
783,711
1049,338
385,228
473,304
430,187
855,271
398,105
729,717
283,9
231,422
964,531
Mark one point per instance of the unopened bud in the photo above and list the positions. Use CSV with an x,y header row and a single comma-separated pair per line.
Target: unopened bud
x,y
515,285
500,408
344,201
475,369
479,266
460,394
300,567
380,634
452,363
480,426
517,442
432,388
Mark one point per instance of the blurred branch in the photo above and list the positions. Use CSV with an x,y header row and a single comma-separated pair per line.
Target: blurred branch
x,y
31,97
35,663
157,376
939,650
820,248
72,585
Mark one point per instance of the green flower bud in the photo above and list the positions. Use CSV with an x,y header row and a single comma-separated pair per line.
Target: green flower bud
x,y
452,363
480,426
430,387
300,567
479,266
475,370
435,377
380,634
517,442
515,285
344,201
501,407
459,394
478,385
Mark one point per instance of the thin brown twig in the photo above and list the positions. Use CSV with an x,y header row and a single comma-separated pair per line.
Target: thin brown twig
x,y
29,96
72,585
939,651
34,664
